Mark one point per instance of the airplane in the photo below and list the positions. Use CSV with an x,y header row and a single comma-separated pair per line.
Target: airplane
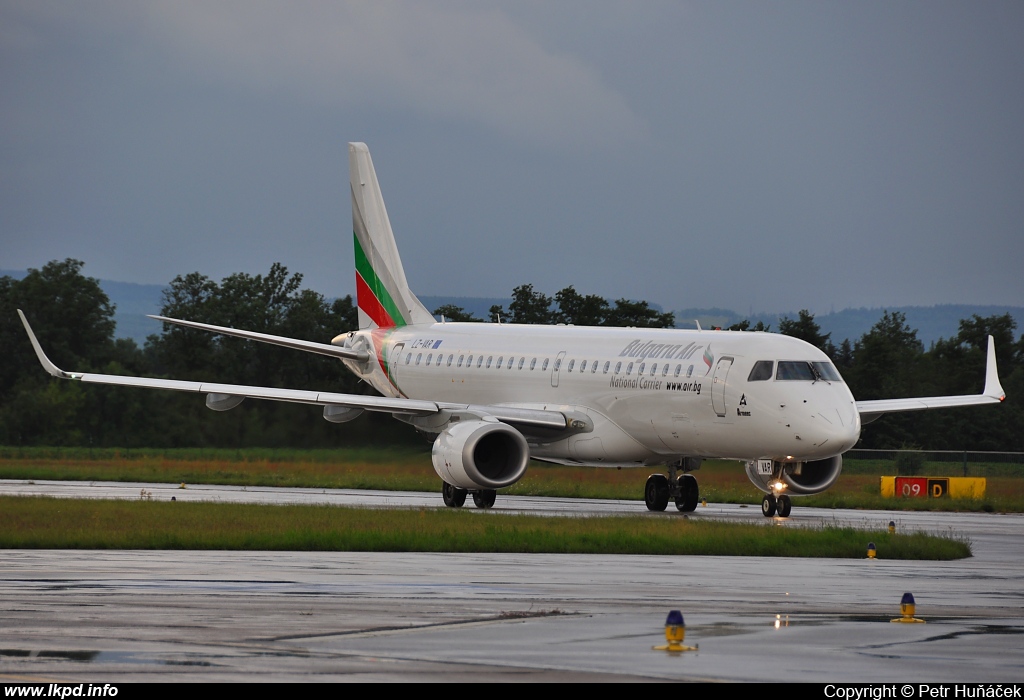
x,y
497,394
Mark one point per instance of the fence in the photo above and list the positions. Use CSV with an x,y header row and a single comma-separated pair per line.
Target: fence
x,y
934,463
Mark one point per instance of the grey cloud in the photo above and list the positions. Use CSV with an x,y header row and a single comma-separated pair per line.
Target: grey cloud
x,y
462,62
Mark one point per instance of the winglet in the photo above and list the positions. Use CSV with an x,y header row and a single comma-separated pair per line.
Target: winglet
x,y
43,359
992,386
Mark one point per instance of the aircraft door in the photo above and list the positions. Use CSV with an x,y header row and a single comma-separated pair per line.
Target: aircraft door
x,y
718,385
556,368
393,361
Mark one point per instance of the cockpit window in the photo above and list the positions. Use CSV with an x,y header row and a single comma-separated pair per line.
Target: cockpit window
x,y
827,371
762,371
795,371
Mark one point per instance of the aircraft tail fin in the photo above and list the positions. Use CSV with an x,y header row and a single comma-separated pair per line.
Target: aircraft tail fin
x,y
382,292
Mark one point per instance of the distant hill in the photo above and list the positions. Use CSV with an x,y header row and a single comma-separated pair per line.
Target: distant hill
x,y
478,306
931,322
134,301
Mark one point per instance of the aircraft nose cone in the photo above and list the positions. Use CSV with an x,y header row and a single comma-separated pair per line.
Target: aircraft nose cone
x,y
833,430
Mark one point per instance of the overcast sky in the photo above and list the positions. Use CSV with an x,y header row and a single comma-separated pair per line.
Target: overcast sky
x,y
764,156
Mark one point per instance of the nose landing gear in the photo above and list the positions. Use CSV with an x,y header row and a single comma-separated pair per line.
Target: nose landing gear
x,y
770,505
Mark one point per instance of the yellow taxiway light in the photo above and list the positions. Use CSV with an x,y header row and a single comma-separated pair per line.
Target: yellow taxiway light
x,y
675,632
907,608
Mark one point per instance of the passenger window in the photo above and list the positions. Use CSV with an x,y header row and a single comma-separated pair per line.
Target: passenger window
x,y
510,361
795,371
490,359
689,371
679,370
521,361
583,366
558,363
439,358
629,369
479,362
450,358
606,366
762,371
418,358
618,367
463,357
469,363
544,367
501,360
654,369
408,358
571,363
533,363
593,368
430,358
640,370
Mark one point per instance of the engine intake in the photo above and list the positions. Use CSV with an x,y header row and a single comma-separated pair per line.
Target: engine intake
x,y
800,478
480,454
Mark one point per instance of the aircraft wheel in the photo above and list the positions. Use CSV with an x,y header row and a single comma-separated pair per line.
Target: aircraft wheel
x,y
785,506
453,496
689,494
656,492
485,498
768,505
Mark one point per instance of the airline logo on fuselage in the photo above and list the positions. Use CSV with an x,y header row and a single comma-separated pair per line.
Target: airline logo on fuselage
x,y
666,351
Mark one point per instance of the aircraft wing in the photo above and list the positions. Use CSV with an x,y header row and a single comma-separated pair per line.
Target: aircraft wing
x,y
992,393
535,418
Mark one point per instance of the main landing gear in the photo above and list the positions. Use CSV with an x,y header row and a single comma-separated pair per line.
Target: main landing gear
x,y
682,488
454,497
770,505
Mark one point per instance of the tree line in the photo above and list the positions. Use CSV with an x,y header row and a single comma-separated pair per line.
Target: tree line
x,y
74,321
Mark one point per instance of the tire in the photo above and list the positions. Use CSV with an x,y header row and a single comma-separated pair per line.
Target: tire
x,y
453,496
689,494
768,505
656,492
785,506
485,498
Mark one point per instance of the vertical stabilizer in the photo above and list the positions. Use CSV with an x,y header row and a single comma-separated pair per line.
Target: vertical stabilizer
x,y
382,293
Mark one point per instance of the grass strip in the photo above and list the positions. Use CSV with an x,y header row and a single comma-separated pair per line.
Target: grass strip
x,y
398,470
50,523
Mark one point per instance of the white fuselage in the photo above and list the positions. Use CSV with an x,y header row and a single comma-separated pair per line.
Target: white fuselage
x,y
651,394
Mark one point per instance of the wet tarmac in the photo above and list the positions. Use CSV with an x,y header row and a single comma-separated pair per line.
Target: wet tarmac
x,y
110,616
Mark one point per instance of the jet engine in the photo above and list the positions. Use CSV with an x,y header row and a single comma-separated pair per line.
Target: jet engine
x,y
480,454
800,478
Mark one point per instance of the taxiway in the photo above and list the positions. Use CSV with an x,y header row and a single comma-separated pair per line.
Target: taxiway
x,y
112,616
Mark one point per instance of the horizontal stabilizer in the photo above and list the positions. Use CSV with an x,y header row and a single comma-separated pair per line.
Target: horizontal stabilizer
x,y
304,345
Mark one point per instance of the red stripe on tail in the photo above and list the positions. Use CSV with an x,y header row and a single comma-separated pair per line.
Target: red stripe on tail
x,y
369,304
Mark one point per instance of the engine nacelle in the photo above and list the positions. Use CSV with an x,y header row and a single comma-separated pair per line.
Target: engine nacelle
x,y
800,478
479,454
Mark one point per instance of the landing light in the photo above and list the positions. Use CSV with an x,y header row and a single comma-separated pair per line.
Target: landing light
x,y
778,486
